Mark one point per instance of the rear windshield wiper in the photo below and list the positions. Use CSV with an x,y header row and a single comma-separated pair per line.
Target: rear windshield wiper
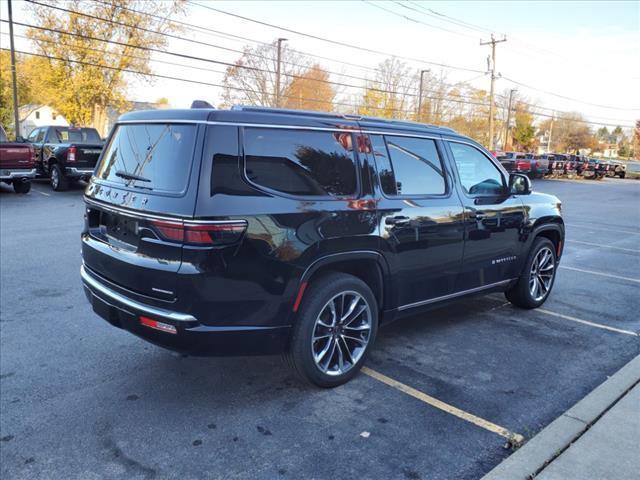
x,y
131,176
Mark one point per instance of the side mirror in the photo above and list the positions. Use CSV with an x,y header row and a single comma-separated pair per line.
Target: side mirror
x,y
519,184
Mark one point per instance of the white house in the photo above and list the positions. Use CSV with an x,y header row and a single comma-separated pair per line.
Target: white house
x,y
32,116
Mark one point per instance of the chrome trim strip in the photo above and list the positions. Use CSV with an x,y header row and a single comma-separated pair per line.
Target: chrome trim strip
x,y
130,213
93,284
17,173
81,171
454,295
141,214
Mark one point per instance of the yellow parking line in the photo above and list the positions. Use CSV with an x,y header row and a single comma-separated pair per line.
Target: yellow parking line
x,y
586,322
515,438
633,250
602,274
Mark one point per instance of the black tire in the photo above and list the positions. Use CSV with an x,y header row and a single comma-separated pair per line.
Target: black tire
x,y
21,187
520,294
300,355
59,182
622,174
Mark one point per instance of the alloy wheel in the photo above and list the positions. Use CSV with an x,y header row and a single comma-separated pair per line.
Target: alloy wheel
x,y
54,178
341,333
541,275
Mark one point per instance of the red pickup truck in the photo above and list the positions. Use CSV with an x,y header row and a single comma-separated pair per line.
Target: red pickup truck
x,y
17,163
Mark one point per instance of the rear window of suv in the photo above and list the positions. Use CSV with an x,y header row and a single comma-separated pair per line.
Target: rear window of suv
x,y
74,135
301,162
155,156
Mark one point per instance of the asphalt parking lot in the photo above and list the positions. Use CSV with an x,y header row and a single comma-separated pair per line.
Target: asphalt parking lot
x,y
441,395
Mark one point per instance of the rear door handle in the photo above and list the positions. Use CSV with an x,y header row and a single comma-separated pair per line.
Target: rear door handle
x,y
477,215
399,220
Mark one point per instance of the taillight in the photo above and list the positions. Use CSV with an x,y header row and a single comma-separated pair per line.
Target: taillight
x,y
201,233
71,154
523,165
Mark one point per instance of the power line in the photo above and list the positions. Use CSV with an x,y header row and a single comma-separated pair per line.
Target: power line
x,y
530,48
219,33
94,17
169,77
228,64
411,19
334,42
526,51
314,100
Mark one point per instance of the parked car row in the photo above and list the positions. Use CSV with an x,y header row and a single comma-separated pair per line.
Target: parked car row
x,y
61,154
560,165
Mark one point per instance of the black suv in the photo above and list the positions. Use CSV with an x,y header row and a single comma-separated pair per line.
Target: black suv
x,y
262,231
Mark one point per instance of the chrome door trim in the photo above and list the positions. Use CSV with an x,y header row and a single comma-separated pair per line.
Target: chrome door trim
x,y
454,295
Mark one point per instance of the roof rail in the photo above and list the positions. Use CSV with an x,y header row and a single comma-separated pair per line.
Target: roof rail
x,y
289,111
346,116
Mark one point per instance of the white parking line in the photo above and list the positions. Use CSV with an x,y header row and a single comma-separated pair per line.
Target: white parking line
x,y
602,274
586,322
43,193
590,227
515,438
632,250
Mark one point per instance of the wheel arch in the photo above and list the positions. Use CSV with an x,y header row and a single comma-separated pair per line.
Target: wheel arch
x,y
554,231
368,266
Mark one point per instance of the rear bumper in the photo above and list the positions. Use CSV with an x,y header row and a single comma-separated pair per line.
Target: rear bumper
x,y
17,173
191,336
75,172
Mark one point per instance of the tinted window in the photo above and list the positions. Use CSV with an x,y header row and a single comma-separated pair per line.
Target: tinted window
x,y
156,156
478,174
73,135
299,162
383,164
416,166
32,136
40,137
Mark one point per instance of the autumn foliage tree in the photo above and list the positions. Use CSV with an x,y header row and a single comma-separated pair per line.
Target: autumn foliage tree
x,y
310,91
83,75
524,133
29,72
570,133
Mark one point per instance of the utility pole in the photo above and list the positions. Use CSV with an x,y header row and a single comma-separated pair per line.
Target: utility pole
x,y
280,40
422,72
492,42
508,126
553,116
16,114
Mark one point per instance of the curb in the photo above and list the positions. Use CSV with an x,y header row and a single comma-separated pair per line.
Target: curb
x,y
542,449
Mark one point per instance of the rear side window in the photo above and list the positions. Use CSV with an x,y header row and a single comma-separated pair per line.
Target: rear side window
x,y
155,156
73,135
416,166
299,162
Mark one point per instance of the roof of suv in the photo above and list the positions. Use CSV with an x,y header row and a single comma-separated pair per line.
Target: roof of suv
x,y
276,116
